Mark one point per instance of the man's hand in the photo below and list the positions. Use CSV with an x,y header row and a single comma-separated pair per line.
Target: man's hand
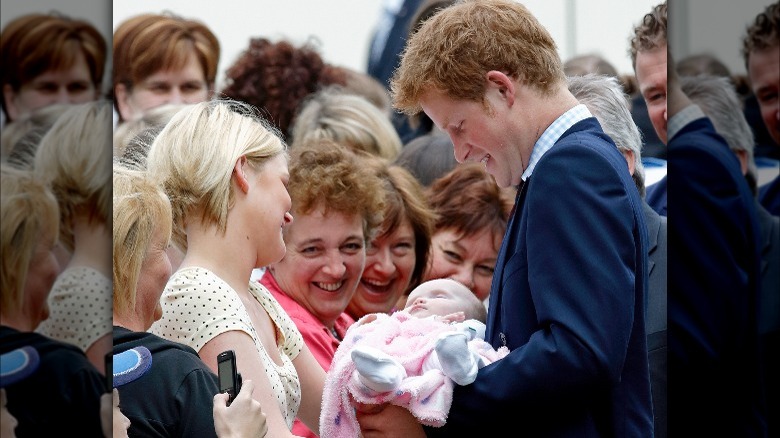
x,y
387,421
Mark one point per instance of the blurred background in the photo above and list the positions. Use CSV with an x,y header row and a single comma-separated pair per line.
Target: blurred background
x,y
343,29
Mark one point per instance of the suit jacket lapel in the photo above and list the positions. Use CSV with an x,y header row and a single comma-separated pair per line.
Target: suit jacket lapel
x,y
653,222
509,241
765,220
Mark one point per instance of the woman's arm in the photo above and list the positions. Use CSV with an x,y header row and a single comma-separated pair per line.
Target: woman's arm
x,y
312,379
251,368
97,351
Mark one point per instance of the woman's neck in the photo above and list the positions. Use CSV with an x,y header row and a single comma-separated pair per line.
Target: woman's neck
x,y
91,245
227,255
17,322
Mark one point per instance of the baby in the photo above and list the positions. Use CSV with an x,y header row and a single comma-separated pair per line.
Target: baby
x,y
411,358
443,300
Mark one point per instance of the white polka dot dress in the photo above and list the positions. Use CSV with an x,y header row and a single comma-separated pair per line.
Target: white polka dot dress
x,y
198,306
80,305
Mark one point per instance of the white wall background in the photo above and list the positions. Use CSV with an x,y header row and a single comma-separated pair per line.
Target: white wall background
x,y
712,26
343,28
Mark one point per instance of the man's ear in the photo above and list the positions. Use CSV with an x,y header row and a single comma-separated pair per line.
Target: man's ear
x,y
240,175
631,160
503,84
122,96
8,101
742,156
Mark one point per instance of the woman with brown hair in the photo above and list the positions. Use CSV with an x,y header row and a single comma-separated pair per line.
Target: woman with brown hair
x,y
162,58
47,59
398,256
472,213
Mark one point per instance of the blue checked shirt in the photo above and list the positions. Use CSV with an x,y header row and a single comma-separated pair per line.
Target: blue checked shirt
x,y
682,118
553,133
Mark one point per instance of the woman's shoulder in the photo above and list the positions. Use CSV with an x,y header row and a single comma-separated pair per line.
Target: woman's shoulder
x,y
290,335
269,303
82,277
196,279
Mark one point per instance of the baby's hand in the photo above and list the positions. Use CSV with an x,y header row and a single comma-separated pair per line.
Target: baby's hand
x,y
452,317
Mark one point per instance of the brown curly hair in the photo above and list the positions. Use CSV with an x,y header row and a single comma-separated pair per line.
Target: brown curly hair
x,y
468,201
454,49
277,77
649,33
764,32
326,174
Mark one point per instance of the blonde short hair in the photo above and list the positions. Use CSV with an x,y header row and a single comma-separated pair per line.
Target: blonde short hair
x,y
194,155
139,207
347,119
29,212
138,132
20,138
74,158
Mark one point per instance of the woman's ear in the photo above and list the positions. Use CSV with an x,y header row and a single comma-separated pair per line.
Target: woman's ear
x,y
9,100
122,96
240,175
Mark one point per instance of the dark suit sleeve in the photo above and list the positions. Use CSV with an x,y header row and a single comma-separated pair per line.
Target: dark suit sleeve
x,y
581,262
713,284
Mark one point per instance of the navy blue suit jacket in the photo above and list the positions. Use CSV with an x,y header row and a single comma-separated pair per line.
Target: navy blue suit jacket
x,y
769,196
656,196
769,315
568,299
389,58
714,379
656,319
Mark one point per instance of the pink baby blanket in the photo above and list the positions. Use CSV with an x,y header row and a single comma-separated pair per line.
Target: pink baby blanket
x,y
427,395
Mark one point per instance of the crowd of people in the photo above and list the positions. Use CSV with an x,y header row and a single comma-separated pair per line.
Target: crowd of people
x,y
488,249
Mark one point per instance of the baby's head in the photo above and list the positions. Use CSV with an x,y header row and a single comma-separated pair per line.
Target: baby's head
x,y
442,297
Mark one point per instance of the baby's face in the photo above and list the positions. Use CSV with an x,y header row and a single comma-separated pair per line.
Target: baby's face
x,y
438,297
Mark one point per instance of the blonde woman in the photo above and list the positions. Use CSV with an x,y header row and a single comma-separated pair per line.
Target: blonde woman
x,y
139,133
347,119
225,173
142,230
62,396
74,159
